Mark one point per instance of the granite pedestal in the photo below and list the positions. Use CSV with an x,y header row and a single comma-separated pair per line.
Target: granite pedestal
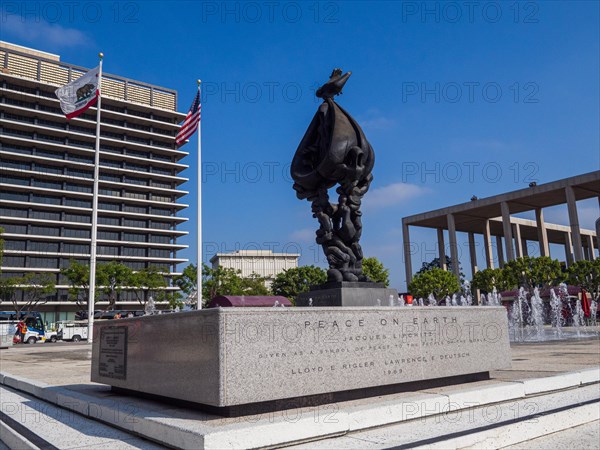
x,y
347,293
238,361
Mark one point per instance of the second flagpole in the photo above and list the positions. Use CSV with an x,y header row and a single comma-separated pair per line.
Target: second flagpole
x,y
92,281
199,263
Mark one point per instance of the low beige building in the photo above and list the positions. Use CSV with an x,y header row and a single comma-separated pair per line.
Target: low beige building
x,y
261,262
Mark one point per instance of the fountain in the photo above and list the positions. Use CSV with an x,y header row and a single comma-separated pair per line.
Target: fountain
x,y
401,301
431,300
310,301
536,318
454,302
556,317
150,308
391,300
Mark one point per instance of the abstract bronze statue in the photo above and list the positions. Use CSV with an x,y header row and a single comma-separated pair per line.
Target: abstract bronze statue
x,y
334,151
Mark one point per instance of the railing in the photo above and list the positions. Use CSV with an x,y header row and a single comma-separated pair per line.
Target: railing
x,y
58,73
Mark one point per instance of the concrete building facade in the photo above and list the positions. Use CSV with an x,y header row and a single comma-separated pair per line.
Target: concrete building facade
x,y
491,217
264,263
46,174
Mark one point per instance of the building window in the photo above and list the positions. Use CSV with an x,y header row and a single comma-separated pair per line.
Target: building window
x,y
161,211
76,233
14,196
113,178
135,209
14,228
79,173
45,231
75,248
43,263
78,188
77,218
108,220
6,163
134,223
138,181
13,212
159,253
109,206
45,215
161,225
14,180
47,199
138,195
134,237
14,245
78,203
160,239
36,246
13,261
108,235
47,184
134,251
108,250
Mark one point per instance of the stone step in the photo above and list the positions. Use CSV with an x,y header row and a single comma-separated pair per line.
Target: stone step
x,y
418,418
493,425
30,423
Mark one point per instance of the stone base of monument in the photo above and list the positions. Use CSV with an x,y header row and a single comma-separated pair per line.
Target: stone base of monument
x,y
233,362
347,293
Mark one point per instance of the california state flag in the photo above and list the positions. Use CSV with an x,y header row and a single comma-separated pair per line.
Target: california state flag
x,y
79,95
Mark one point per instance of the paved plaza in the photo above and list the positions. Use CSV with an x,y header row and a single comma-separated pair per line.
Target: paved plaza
x,y
560,380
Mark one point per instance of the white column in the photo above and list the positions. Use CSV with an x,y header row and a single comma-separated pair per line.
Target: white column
x,y
574,222
506,225
453,245
517,239
568,249
500,251
542,233
441,249
472,253
487,244
407,256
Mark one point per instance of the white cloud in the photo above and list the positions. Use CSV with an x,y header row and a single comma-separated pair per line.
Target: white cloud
x,y
42,32
303,235
392,194
375,120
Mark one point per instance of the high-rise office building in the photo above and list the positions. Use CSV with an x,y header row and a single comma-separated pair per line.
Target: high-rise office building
x,y
47,166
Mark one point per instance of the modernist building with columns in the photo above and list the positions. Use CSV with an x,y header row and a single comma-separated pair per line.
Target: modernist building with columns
x,y
47,167
491,217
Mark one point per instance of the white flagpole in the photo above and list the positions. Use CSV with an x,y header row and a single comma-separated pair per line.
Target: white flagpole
x,y
92,288
199,268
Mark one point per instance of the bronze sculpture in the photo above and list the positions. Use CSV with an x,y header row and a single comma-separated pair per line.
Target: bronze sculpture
x,y
334,151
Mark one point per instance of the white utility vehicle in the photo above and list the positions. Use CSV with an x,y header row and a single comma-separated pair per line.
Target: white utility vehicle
x,y
72,330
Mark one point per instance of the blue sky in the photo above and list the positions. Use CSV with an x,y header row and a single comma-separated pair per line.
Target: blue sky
x,y
456,98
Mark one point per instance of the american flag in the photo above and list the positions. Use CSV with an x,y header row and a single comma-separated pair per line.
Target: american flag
x,y
190,124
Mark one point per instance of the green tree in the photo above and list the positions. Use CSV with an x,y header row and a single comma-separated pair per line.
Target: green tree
x,y
530,272
36,287
488,279
374,269
586,275
78,275
436,281
149,281
188,280
435,264
255,285
292,282
112,278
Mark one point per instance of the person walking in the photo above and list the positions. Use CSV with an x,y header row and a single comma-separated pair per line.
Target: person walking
x,y
21,330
